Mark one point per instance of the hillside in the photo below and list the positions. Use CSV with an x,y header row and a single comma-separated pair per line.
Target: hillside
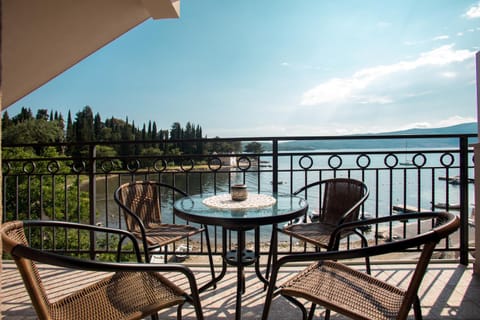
x,y
465,128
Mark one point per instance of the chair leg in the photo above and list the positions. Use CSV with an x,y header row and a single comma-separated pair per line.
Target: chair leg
x,y
365,245
179,311
154,316
417,309
119,248
210,257
312,311
327,314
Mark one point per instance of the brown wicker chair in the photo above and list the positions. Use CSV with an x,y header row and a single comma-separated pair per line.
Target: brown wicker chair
x,y
140,203
133,291
356,294
342,199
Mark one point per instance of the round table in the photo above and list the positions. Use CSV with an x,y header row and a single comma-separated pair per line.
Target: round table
x,y
240,216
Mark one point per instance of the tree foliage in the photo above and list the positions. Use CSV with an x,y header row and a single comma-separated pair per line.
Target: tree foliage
x,y
254,147
48,126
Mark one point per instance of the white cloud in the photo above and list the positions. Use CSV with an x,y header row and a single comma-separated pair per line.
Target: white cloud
x,y
473,12
338,90
451,121
454,120
418,94
448,74
442,37
374,99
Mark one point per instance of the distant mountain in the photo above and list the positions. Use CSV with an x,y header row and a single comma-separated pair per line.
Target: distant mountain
x,y
348,143
463,128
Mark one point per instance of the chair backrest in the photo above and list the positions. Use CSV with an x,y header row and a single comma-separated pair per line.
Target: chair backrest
x,y
444,224
140,202
13,235
342,199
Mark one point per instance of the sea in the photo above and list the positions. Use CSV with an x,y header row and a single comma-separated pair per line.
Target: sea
x,y
390,185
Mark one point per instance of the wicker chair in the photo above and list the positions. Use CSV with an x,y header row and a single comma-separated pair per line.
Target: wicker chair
x,y
133,291
342,199
140,203
356,294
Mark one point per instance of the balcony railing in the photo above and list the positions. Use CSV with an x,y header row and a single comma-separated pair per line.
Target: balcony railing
x,y
435,171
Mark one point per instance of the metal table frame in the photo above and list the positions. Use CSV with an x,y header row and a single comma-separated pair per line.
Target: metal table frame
x,y
193,209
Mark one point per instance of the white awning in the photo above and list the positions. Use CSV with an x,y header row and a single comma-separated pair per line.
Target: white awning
x,y
43,38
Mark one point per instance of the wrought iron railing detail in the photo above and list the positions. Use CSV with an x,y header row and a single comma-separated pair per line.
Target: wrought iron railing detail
x,y
81,188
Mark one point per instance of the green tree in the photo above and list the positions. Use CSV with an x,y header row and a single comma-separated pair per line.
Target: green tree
x,y
24,115
70,133
42,114
42,194
254,147
33,131
153,152
6,122
223,147
84,125
97,127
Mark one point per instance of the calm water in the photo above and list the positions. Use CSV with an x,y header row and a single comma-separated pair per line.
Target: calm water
x,y
387,187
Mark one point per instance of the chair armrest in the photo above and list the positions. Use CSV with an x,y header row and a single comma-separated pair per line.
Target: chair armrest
x,y
81,226
451,223
399,217
356,206
90,265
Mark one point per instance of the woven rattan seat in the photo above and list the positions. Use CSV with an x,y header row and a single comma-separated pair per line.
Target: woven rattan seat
x,y
341,202
132,291
140,202
166,233
333,284
342,198
353,293
124,295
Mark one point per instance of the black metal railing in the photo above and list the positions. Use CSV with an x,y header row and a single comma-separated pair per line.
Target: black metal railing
x,y
434,171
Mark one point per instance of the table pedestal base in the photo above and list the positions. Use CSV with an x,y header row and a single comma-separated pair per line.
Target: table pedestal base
x,y
239,258
248,257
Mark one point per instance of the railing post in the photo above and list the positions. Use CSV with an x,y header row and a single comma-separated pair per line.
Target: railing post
x,y
476,150
275,165
92,193
464,200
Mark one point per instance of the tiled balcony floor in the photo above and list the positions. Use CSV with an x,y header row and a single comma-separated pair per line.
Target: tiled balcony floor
x,y
449,291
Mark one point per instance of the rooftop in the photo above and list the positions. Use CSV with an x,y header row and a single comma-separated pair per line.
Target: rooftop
x,y
449,290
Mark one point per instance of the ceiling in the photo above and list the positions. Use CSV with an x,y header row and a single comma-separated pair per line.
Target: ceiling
x,y
43,38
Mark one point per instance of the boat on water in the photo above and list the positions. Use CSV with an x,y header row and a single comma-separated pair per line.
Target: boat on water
x,y
314,216
407,162
299,221
443,205
455,180
265,164
181,253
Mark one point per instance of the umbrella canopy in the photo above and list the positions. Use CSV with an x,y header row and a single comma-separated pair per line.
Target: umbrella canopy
x,y
43,38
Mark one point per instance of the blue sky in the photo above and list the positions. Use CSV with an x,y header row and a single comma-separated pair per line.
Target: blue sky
x,y
284,68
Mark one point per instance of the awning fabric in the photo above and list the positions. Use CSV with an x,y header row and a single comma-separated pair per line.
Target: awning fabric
x,y
43,38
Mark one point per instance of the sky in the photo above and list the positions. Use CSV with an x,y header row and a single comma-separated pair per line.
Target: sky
x,y
283,68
